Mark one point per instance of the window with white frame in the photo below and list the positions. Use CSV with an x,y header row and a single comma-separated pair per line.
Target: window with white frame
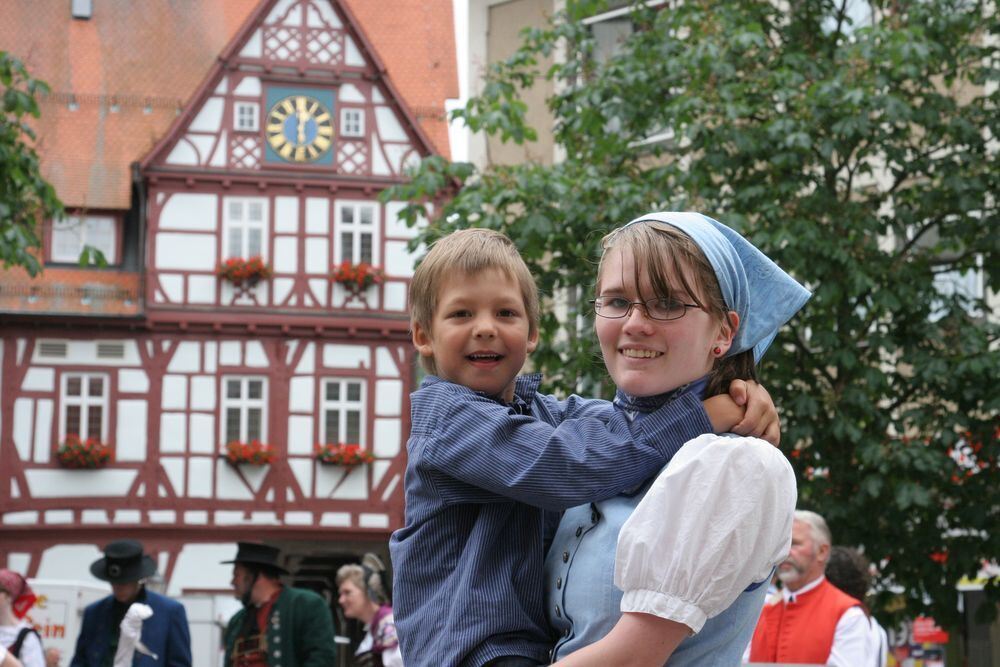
x,y
244,409
84,403
244,227
246,116
72,233
343,410
356,223
352,122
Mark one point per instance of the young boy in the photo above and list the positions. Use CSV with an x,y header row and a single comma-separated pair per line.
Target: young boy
x,y
484,457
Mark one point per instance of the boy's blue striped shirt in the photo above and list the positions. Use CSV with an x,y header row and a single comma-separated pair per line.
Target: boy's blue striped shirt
x,y
468,563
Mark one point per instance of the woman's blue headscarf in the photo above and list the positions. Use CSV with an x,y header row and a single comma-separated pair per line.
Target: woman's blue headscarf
x,y
761,293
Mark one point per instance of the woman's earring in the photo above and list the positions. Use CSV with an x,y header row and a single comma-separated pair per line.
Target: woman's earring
x,y
717,350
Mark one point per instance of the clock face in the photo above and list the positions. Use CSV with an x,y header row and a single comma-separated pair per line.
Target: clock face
x,y
299,128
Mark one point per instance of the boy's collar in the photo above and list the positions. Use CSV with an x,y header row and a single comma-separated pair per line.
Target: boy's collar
x,y
525,386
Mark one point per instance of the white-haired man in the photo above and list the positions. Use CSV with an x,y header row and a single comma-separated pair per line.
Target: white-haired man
x,y
812,622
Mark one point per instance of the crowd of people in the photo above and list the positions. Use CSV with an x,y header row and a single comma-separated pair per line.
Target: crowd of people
x,y
642,531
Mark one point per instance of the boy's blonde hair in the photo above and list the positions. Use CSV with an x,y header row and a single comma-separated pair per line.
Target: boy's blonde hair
x,y
467,252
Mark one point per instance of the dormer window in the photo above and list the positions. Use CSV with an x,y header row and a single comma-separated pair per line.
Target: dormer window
x,y
72,233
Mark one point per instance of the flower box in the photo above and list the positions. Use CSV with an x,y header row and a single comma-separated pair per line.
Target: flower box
x,y
254,452
345,455
238,270
77,453
357,276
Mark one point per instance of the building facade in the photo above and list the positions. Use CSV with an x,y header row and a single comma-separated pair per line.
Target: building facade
x,y
182,144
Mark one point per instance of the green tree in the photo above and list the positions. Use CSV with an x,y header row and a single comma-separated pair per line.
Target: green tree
x,y
25,197
861,156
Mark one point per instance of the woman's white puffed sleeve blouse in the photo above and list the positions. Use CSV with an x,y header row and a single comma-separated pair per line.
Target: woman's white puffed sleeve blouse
x,y
717,519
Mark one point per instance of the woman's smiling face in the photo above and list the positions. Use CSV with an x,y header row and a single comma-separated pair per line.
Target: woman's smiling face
x,y
646,357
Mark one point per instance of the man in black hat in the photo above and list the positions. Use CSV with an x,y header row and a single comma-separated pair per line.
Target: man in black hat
x,y
132,620
278,625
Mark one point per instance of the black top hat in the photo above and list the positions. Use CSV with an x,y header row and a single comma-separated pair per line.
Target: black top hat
x,y
253,553
123,562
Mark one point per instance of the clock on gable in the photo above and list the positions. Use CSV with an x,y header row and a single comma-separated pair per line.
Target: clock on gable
x,y
299,128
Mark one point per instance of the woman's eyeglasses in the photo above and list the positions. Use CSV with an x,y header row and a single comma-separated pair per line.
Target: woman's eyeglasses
x,y
616,307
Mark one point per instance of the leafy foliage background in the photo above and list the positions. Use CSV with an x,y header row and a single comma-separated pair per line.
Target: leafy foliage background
x,y
862,158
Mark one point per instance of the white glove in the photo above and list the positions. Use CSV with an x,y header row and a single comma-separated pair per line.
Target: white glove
x,y
129,639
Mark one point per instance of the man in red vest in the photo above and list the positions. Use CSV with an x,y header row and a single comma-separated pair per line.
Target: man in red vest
x,y
811,622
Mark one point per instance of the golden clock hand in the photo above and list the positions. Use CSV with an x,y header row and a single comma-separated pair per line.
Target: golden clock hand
x,y
301,116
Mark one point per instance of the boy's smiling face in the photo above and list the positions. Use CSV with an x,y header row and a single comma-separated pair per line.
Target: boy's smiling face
x,y
480,335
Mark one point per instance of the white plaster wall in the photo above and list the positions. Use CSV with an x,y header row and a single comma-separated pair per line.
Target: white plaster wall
x,y
190,212
174,467
300,435
199,566
209,118
252,49
301,394
79,483
43,430
70,561
317,256
398,260
395,296
249,86
255,357
229,486
280,289
388,397
334,482
378,163
317,215
387,438
39,379
373,520
174,392
303,471
385,363
346,356
230,353
286,215
203,392
308,361
201,289
203,437
24,415
184,153
133,381
352,55
200,477
389,127
173,432
130,435
186,359
172,285
286,254
185,251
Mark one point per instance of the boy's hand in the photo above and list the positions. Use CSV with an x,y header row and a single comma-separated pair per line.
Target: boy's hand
x,y
724,412
761,418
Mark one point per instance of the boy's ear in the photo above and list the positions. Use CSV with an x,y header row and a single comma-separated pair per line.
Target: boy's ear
x,y
532,341
728,331
422,341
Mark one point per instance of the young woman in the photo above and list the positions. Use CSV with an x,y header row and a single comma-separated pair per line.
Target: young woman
x,y
684,305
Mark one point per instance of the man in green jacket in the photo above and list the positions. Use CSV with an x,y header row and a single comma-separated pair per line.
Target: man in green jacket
x,y
279,626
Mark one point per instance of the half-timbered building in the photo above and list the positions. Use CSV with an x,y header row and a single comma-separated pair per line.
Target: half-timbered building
x,y
181,136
